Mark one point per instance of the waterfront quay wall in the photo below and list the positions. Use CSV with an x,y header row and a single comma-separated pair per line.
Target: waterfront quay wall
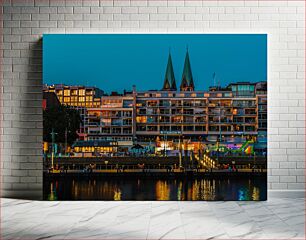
x,y
158,175
112,162
149,161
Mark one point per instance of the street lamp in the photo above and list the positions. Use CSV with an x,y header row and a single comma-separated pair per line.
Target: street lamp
x,y
165,140
254,160
106,162
66,131
52,151
221,113
180,153
66,139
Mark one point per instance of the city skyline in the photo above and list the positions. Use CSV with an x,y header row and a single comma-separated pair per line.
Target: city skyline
x,y
173,126
250,59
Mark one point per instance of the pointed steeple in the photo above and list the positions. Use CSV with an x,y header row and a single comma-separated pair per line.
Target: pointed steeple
x,y
169,82
187,83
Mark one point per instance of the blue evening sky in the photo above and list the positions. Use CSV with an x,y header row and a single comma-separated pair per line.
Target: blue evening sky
x,y
114,62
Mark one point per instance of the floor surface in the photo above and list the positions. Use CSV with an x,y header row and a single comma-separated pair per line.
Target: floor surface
x,y
273,219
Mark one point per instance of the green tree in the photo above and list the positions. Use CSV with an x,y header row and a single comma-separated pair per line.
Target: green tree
x,y
60,119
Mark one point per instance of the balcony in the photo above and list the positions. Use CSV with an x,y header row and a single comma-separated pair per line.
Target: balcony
x,y
218,113
93,129
92,124
199,123
92,116
193,132
164,113
222,132
100,133
164,104
112,105
213,104
200,105
239,105
220,123
249,123
147,133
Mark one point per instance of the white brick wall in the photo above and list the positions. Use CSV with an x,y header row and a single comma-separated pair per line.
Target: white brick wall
x,y
24,22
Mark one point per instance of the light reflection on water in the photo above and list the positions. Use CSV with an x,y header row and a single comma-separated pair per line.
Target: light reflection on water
x,y
155,189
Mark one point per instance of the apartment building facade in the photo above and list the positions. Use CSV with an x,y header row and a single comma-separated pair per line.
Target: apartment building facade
x,y
232,114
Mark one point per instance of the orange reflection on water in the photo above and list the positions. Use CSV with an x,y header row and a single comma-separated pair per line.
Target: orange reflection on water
x,y
117,194
208,190
139,189
52,196
180,195
255,194
162,190
199,190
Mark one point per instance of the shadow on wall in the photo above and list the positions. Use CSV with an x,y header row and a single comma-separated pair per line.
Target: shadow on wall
x,y
27,159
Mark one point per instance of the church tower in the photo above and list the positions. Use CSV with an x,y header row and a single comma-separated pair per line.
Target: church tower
x,y
169,82
187,83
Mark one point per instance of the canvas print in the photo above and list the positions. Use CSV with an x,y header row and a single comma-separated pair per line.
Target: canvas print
x,y
175,117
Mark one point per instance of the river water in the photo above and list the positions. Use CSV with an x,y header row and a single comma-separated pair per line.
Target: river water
x,y
228,188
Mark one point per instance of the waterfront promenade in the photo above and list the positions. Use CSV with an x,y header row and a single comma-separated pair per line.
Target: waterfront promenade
x,y
155,163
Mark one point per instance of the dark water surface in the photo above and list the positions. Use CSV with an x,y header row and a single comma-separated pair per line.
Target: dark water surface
x,y
228,188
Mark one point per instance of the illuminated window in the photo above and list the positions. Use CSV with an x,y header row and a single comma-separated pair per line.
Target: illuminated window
x,y
88,98
81,99
152,103
66,92
74,92
177,119
106,121
66,99
82,92
60,92
141,119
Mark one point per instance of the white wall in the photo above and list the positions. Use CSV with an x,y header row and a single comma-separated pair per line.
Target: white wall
x,y
24,22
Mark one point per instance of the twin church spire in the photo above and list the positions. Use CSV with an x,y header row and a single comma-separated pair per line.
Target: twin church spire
x,y
169,82
187,83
